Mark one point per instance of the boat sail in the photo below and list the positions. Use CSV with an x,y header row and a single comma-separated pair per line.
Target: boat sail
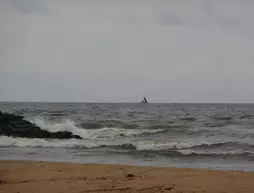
x,y
144,100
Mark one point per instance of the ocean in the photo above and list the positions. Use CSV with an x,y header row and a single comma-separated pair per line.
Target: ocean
x,y
214,136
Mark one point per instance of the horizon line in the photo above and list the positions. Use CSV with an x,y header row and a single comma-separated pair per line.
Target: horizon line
x,y
153,102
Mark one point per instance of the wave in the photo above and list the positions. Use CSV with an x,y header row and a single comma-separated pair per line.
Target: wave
x,y
232,131
220,117
216,124
220,145
95,143
148,145
57,114
185,149
107,123
156,146
141,147
105,132
216,153
45,143
246,116
109,129
121,124
172,125
188,119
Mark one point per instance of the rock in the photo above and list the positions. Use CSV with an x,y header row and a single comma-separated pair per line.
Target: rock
x,y
130,175
3,182
64,135
11,116
16,126
169,188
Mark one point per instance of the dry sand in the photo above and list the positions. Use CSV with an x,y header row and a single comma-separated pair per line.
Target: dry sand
x,y
44,177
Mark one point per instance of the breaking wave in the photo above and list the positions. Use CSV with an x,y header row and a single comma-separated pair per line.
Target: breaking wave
x,y
43,143
122,137
104,132
145,146
155,146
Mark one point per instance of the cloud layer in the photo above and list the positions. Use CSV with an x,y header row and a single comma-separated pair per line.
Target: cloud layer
x,y
169,51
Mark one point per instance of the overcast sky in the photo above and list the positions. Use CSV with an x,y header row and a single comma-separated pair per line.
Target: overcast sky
x,y
119,51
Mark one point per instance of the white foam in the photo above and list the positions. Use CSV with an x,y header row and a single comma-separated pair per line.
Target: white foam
x,y
76,143
153,145
140,145
106,132
209,152
47,143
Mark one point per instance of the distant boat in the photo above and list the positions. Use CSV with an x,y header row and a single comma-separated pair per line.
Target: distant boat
x,y
144,101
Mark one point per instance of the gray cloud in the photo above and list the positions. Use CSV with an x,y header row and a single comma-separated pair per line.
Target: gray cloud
x,y
170,51
30,6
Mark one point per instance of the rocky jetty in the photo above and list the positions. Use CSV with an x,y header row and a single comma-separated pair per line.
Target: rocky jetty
x,y
15,126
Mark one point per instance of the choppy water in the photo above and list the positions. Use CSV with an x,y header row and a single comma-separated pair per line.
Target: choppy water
x,y
219,136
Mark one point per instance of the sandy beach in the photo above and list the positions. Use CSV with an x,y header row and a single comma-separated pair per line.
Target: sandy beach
x,y
41,177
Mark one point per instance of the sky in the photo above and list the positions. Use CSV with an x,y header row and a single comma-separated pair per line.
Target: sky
x,y
121,50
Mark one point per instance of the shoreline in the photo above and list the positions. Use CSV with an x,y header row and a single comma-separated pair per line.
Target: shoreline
x,y
139,164
124,165
40,176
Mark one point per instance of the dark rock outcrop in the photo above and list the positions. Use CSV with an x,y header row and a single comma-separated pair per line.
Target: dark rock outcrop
x,y
16,126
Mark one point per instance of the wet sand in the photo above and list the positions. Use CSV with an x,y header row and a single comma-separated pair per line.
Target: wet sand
x,y
44,177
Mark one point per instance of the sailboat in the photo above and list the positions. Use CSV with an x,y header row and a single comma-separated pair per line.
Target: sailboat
x,y
144,101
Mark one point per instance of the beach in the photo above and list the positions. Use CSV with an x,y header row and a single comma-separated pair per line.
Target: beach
x,y
127,148
41,177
